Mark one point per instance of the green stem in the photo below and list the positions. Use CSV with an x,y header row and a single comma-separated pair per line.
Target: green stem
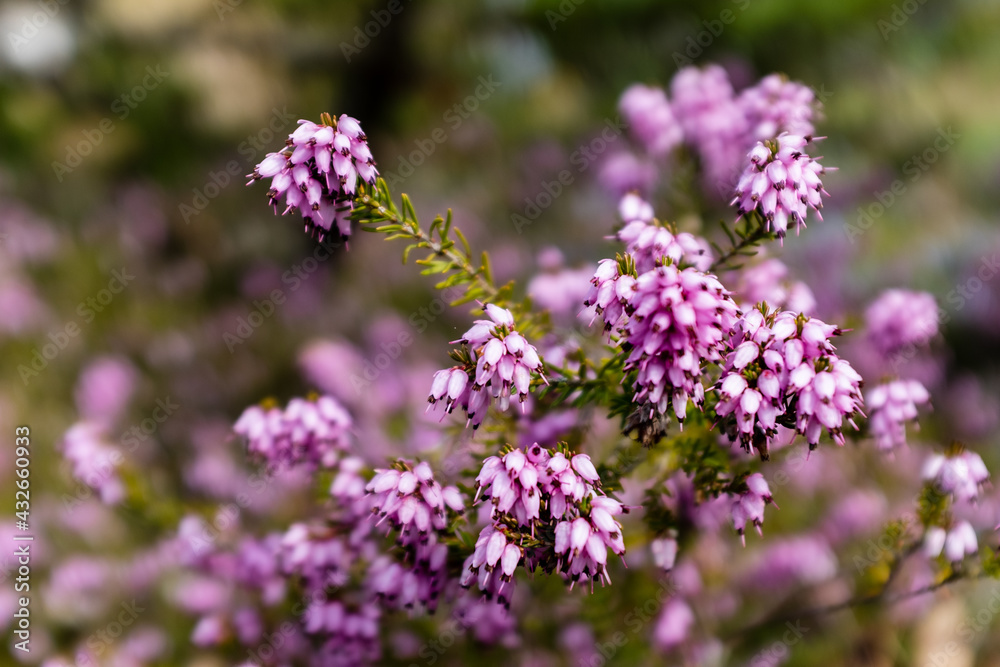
x,y
759,234
408,227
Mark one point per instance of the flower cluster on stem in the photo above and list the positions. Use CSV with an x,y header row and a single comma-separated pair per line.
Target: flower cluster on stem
x,y
549,513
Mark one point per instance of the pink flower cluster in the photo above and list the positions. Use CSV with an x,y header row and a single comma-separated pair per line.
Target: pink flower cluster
x,y
548,512
306,431
413,503
350,633
768,281
94,462
648,114
706,114
777,105
781,183
504,363
679,320
318,173
322,557
411,500
957,542
959,474
713,122
651,244
890,406
782,369
899,318
611,291
748,506
343,555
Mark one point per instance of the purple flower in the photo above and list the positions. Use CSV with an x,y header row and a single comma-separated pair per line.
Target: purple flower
x,y
306,431
678,322
712,121
898,319
957,542
488,623
960,474
611,291
648,114
210,631
782,369
623,172
634,207
535,494
777,105
651,244
674,624
348,488
351,633
105,388
318,173
768,281
411,500
560,291
781,183
501,363
664,552
786,562
408,496
319,557
93,461
748,506
890,406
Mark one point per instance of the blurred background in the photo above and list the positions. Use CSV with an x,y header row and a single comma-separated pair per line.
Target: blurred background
x,y
127,236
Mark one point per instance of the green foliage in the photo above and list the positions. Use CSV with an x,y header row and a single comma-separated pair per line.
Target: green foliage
x,y
448,252
990,560
745,237
932,506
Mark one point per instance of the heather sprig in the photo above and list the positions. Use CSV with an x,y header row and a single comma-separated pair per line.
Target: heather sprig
x,y
448,253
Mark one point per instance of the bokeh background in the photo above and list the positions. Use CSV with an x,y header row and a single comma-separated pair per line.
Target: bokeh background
x,y
126,130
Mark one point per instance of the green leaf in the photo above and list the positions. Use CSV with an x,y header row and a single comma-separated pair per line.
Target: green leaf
x,y
487,271
408,210
463,299
729,233
447,225
465,243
